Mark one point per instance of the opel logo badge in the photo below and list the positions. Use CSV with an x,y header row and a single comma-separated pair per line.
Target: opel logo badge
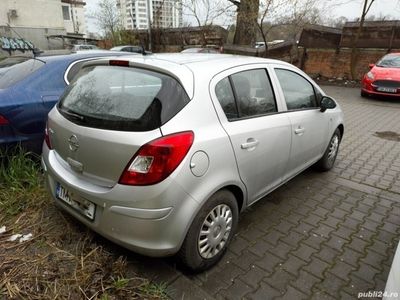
x,y
73,143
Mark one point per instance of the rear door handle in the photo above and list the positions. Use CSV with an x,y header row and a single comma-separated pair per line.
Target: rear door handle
x,y
299,130
250,144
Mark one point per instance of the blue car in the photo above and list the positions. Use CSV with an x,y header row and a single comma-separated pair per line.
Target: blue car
x,y
29,88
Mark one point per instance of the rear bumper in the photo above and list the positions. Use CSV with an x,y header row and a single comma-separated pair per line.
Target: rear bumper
x,y
151,220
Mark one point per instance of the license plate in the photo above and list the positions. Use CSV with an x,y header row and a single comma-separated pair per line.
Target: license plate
x,y
83,206
387,90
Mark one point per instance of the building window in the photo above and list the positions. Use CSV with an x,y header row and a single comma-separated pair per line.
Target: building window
x,y
66,14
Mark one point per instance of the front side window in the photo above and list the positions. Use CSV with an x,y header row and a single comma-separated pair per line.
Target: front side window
x,y
254,93
299,92
120,98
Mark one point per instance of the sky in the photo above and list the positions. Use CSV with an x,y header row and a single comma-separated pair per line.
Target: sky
x,y
348,8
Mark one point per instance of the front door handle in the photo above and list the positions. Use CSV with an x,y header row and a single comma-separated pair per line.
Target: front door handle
x,y
250,144
299,130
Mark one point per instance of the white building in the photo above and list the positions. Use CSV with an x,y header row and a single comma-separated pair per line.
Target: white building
x,y
37,20
73,12
163,13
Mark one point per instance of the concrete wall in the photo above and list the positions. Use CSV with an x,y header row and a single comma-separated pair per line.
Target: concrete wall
x,y
37,36
32,13
331,63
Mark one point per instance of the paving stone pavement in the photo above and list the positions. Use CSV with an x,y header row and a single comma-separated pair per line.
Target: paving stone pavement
x,y
322,235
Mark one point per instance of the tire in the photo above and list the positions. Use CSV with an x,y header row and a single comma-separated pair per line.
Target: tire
x,y
328,159
224,204
364,94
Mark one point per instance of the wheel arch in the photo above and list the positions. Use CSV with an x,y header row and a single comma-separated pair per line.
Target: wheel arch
x,y
341,129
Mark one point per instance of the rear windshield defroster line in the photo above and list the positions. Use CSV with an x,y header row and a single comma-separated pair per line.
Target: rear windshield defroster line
x,y
125,99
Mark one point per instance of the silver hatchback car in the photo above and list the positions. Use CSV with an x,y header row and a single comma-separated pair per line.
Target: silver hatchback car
x,y
160,153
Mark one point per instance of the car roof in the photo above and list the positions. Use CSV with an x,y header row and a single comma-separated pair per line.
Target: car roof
x,y
184,66
213,63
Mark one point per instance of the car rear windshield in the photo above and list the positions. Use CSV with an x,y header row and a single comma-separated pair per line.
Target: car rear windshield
x,y
389,61
122,98
14,69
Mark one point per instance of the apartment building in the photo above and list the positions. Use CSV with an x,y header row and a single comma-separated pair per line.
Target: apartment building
x,y
163,13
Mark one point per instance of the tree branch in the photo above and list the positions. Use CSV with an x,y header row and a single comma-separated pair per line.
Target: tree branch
x,y
235,2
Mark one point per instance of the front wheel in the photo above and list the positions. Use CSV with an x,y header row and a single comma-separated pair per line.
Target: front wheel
x,y
328,160
211,232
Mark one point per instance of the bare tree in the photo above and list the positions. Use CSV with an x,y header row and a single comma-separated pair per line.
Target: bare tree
x,y
246,21
353,57
204,12
292,14
108,19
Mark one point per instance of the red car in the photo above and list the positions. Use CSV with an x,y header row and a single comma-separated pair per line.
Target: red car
x,y
384,77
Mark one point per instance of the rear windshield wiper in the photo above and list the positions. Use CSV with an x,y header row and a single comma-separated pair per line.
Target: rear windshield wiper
x,y
73,115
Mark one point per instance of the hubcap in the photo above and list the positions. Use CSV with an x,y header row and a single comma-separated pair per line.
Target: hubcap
x,y
215,231
333,148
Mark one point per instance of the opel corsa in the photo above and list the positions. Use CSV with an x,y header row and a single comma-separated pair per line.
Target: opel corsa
x,y
160,153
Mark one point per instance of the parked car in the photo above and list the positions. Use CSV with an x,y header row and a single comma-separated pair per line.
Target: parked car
x,y
81,47
200,50
130,48
160,155
383,79
29,88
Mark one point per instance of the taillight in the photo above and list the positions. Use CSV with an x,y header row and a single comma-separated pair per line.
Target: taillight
x,y
3,121
156,160
47,136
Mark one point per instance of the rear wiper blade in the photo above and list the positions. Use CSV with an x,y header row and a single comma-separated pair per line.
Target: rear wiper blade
x,y
73,115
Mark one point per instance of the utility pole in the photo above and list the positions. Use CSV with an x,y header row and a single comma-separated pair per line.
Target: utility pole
x,y
148,24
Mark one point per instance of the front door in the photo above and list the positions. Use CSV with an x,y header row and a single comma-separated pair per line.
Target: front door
x,y
309,125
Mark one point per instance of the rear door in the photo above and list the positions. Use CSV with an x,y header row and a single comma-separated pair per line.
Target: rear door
x,y
309,127
259,134
107,114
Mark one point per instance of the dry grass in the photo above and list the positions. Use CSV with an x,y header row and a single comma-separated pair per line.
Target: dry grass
x,y
63,259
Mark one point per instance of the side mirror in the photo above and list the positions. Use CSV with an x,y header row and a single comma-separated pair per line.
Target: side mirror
x,y
371,66
327,103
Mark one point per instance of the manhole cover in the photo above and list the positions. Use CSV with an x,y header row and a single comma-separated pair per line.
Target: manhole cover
x,y
388,135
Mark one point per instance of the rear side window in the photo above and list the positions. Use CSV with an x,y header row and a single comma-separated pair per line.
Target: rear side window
x,y
246,94
225,96
13,70
254,93
121,98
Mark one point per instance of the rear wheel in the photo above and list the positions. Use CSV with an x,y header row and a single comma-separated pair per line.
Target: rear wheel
x,y
328,160
210,232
